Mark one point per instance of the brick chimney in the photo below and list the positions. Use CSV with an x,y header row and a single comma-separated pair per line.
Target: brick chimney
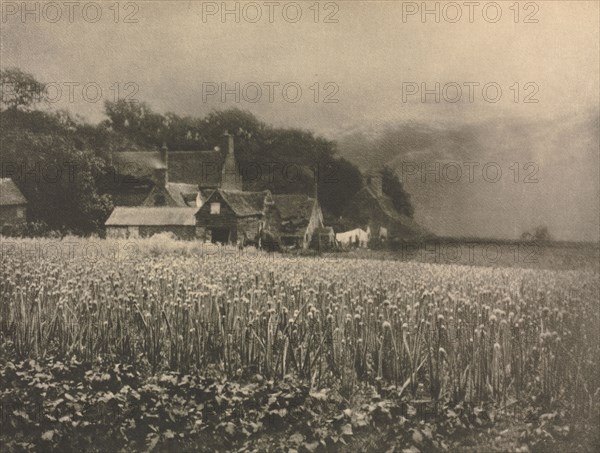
x,y
164,154
230,177
162,173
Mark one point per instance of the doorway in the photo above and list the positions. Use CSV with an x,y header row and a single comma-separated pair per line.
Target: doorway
x,y
219,235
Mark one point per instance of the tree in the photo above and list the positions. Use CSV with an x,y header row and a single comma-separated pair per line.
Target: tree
x,y
283,160
56,162
393,188
19,90
137,121
339,180
539,233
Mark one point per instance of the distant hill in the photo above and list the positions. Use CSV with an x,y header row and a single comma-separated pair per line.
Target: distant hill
x,y
558,157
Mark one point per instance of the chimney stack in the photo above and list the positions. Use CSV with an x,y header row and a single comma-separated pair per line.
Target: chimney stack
x,y
230,177
162,174
229,143
164,154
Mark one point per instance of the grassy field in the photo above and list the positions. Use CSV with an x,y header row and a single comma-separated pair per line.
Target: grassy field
x,y
163,344
519,254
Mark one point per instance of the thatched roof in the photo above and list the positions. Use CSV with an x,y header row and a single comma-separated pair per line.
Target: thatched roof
x,y
369,201
183,194
295,211
152,216
245,204
296,205
10,194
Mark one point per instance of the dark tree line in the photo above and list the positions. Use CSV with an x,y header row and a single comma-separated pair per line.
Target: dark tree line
x,y
291,160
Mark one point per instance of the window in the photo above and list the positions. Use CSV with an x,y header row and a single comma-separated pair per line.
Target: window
x,y
20,213
215,208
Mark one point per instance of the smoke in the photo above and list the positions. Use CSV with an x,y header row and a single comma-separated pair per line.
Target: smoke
x,y
494,178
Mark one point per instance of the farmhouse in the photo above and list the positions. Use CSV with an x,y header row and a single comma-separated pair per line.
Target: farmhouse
x,y
210,182
13,205
133,222
299,216
165,193
377,212
163,178
233,215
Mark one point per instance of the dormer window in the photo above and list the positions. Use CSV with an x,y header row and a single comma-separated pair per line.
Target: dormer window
x,y
215,208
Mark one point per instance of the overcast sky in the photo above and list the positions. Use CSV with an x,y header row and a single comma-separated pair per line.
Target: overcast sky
x,y
362,54
368,54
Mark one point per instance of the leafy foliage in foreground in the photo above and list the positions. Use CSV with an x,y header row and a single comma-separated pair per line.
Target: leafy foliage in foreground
x,y
71,406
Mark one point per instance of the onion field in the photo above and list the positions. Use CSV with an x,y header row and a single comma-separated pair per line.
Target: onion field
x,y
426,335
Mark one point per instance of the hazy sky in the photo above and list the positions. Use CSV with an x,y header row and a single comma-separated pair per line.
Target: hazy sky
x,y
366,59
368,54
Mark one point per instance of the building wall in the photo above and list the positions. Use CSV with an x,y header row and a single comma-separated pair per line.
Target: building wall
x,y
225,219
323,240
13,214
249,227
316,221
131,232
187,232
122,232
272,221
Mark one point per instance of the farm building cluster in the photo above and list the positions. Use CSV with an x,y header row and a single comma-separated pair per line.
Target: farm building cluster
x,y
207,202
199,195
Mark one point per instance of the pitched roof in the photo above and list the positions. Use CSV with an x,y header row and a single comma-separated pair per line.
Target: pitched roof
x,y
295,211
134,196
245,204
386,206
296,205
10,193
183,194
201,168
152,216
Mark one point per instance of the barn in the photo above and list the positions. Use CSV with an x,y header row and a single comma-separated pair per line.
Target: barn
x,y
229,216
13,205
134,222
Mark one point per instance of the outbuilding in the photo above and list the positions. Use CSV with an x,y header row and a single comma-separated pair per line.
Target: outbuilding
x,y
134,222
13,205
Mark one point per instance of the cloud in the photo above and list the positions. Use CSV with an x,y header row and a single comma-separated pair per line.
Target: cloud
x,y
494,178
